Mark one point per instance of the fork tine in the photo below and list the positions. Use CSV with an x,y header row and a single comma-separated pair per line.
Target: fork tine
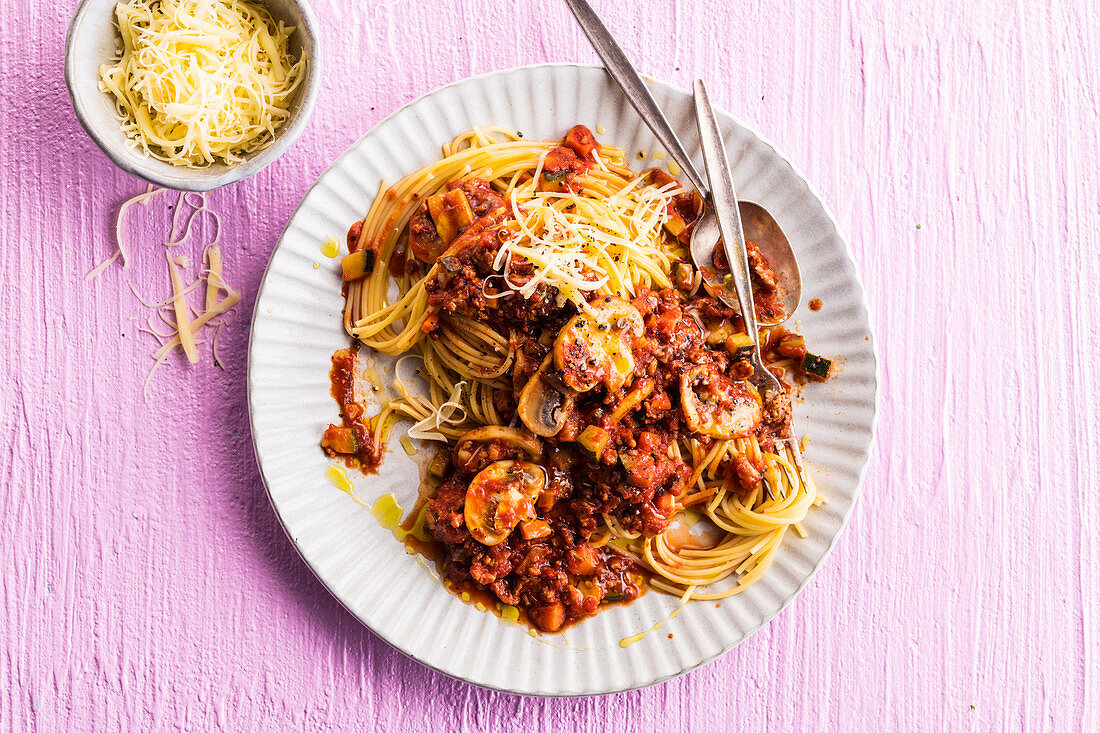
x,y
796,453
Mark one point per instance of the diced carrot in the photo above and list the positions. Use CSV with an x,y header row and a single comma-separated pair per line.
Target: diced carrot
x,y
550,617
534,529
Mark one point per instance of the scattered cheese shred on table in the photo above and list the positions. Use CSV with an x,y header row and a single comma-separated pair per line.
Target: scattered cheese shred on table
x,y
183,320
214,281
195,326
120,240
185,323
196,81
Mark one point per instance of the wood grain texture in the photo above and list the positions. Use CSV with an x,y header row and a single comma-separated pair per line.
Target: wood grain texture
x,y
146,584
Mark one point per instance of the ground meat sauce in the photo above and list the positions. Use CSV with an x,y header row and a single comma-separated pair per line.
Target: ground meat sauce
x,y
466,276
765,290
555,579
552,559
564,576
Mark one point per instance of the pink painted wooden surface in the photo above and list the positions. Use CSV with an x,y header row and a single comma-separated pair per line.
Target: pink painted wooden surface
x,y
147,585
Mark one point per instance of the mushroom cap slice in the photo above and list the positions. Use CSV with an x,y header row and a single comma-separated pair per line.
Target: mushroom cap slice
x,y
513,437
715,405
479,446
595,347
501,496
543,408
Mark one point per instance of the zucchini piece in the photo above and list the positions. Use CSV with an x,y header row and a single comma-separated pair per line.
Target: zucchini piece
x,y
719,332
675,224
357,265
340,440
450,264
816,367
554,181
792,346
438,467
683,276
594,439
627,461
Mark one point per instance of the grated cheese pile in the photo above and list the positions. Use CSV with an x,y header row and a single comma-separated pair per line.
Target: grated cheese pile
x,y
580,244
196,81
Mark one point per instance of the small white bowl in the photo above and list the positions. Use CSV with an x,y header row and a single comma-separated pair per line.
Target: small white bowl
x,y
91,43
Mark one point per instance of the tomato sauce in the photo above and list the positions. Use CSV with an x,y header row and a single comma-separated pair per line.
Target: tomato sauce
x,y
353,439
544,549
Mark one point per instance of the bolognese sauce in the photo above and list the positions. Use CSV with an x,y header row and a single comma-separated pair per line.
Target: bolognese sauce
x,y
596,399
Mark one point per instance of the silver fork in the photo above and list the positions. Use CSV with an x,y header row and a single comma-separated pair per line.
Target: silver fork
x,y
705,236
707,233
723,202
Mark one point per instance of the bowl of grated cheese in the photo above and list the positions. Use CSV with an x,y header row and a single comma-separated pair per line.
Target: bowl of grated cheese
x,y
193,94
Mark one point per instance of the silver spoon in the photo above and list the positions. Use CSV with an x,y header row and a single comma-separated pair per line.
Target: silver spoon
x,y
759,226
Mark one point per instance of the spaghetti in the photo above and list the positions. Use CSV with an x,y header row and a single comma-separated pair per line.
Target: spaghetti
x,y
592,399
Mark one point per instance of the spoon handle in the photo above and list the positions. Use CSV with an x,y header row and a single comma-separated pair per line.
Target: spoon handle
x,y
626,76
723,198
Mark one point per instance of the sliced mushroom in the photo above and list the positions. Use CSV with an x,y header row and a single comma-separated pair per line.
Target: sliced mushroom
x,y
501,496
515,438
542,407
716,405
594,348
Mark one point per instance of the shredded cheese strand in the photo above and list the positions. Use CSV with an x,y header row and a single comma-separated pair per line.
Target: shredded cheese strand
x,y
183,320
214,282
575,242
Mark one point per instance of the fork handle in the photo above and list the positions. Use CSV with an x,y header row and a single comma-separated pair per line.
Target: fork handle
x,y
636,91
724,200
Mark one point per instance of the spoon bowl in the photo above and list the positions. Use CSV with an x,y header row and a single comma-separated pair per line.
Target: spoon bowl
x,y
762,228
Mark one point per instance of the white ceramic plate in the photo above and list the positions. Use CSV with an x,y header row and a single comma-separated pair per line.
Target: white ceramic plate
x,y
297,325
